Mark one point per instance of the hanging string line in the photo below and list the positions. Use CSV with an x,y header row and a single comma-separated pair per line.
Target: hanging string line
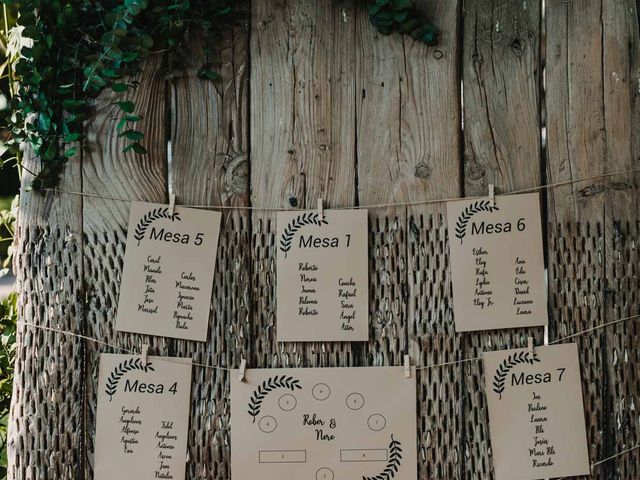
x,y
357,207
187,361
216,367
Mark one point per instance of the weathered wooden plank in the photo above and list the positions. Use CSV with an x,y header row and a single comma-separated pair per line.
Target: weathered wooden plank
x,y
592,87
430,146
621,78
46,425
107,171
302,146
210,167
501,75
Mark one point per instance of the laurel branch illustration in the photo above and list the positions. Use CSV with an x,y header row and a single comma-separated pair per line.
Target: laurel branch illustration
x,y
395,459
308,218
123,368
149,218
506,366
470,211
270,384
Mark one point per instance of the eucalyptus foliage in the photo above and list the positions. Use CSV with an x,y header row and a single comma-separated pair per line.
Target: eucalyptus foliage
x,y
78,48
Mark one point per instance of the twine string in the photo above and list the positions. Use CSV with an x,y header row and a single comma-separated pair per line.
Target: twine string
x,y
358,207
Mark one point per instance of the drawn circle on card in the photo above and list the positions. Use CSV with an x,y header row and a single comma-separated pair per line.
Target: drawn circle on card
x,y
321,391
324,473
267,424
287,402
377,422
355,401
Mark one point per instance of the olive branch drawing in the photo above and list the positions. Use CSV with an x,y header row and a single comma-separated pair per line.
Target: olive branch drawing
x,y
506,366
270,384
150,217
308,218
395,459
123,368
470,211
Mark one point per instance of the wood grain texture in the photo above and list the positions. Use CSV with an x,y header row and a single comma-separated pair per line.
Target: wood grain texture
x,y
501,65
592,81
332,109
302,146
107,171
45,437
209,166
430,142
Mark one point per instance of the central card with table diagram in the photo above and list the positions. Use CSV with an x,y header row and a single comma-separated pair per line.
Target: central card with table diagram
x,y
324,424
322,285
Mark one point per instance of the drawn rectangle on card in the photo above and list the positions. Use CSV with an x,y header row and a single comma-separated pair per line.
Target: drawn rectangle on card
x,y
364,455
322,285
351,422
497,262
536,413
169,265
142,419
283,456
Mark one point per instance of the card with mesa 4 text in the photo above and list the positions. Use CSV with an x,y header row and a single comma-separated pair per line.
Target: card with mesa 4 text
x,y
324,424
169,263
536,413
497,262
142,417
322,284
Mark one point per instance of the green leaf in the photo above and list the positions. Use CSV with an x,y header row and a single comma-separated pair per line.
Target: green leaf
x,y
126,106
71,152
208,74
72,137
136,147
134,135
119,87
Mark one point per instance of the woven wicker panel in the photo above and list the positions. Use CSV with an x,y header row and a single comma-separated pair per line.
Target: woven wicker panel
x,y
47,414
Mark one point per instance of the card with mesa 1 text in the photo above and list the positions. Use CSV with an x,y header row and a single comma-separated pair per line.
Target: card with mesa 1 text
x,y
324,424
142,419
497,262
322,284
169,263
536,413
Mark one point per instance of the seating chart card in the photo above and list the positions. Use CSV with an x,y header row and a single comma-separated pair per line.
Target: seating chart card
x,y
324,424
536,413
322,287
169,264
497,263
143,417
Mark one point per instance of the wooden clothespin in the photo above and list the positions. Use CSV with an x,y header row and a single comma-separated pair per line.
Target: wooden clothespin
x,y
320,209
407,367
144,354
530,345
172,203
492,195
243,368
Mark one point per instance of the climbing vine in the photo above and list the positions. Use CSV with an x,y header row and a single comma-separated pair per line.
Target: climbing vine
x,y
75,49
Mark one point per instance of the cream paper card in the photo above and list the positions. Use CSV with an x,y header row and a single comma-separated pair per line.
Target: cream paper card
x,y
322,288
169,264
497,263
324,424
536,413
143,418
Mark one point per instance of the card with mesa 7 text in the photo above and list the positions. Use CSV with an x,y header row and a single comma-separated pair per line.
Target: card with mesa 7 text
x,y
142,417
324,424
536,413
169,263
322,284
497,262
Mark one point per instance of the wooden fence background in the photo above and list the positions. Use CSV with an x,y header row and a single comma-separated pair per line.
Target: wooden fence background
x,y
314,103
